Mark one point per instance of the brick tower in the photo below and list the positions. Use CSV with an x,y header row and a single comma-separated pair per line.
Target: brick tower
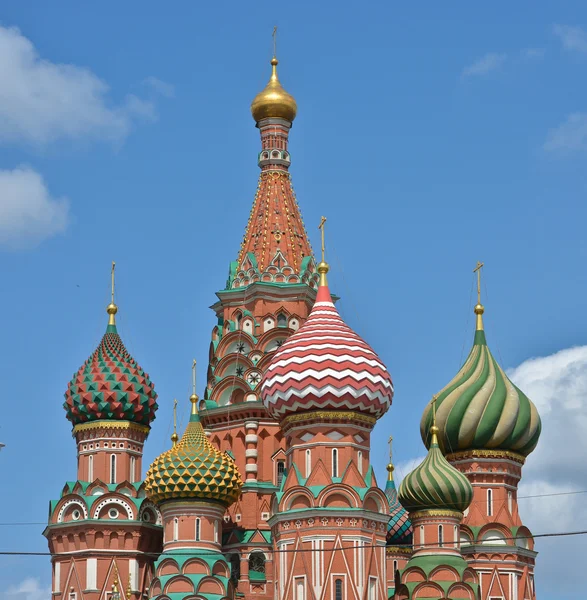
x,y
269,292
487,428
102,531
329,519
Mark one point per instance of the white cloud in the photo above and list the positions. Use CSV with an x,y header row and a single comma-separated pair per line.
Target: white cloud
x,y
572,38
533,52
29,589
490,62
41,101
161,87
28,212
568,136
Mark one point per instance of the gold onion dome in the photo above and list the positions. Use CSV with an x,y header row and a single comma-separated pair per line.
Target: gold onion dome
x,y
274,101
481,409
435,484
193,469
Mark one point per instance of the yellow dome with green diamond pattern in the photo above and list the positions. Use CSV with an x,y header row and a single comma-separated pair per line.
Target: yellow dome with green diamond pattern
x,y
193,469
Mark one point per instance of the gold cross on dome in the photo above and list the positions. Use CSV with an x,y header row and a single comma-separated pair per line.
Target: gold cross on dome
x,y
389,441
321,228
274,36
477,270
112,279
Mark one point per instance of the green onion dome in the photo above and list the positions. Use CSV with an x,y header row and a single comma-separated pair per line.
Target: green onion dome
x,y
193,469
110,385
481,409
435,484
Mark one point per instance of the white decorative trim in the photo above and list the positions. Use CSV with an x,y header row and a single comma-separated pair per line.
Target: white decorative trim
x,y
251,468
251,438
67,504
251,453
129,511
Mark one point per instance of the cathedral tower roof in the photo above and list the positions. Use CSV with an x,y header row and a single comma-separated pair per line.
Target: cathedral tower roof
x,y
274,102
111,385
435,484
193,469
399,528
326,365
480,408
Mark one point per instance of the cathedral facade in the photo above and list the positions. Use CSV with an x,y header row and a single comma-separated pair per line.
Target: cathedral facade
x,y
269,493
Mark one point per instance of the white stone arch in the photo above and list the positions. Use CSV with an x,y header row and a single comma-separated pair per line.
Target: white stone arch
x,y
127,507
67,504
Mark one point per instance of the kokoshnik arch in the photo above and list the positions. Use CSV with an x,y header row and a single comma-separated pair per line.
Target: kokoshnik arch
x,y
270,492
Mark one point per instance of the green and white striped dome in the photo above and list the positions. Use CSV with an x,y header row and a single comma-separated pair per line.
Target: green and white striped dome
x,y
481,409
435,484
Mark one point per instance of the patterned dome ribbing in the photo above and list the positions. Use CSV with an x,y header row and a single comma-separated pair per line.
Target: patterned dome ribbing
x,y
326,365
111,385
481,409
193,469
399,528
435,484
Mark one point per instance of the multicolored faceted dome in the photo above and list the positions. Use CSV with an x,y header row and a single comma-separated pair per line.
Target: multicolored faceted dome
x,y
110,384
481,409
399,528
193,469
274,101
435,484
326,366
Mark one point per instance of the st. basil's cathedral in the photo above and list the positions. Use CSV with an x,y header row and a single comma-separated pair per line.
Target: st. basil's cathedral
x,y
270,494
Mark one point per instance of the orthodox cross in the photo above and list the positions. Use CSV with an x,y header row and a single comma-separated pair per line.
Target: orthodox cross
x,y
321,228
274,36
390,440
112,279
175,416
194,377
434,400
477,270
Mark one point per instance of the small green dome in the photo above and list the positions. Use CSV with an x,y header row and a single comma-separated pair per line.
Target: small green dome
x,y
435,484
481,409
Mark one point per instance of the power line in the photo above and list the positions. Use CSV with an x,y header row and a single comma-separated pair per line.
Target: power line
x,y
285,550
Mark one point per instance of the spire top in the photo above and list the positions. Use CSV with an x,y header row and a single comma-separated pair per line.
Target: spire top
x,y
174,436
112,309
479,308
390,467
194,397
323,267
274,36
434,429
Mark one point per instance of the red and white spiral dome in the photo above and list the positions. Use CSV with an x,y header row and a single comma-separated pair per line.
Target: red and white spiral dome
x,y
325,365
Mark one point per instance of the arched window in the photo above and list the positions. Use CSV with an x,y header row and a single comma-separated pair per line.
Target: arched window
x,y
338,589
198,528
422,539
308,462
133,464
456,536
281,320
91,467
360,461
256,566
334,462
394,567
280,471
113,468
489,503
175,529
235,568
216,531
510,501
440,536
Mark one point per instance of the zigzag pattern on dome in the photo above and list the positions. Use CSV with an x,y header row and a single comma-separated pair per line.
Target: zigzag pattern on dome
x,y
110,385
326,365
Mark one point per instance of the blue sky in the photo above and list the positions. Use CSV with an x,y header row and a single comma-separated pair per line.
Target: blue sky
x,y
431,136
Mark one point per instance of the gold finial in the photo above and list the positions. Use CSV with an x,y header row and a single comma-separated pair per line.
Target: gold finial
x,y
323,267
115,593
434,429
390,467
174,436
274,36
479,308
194,397
128,588
112,309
